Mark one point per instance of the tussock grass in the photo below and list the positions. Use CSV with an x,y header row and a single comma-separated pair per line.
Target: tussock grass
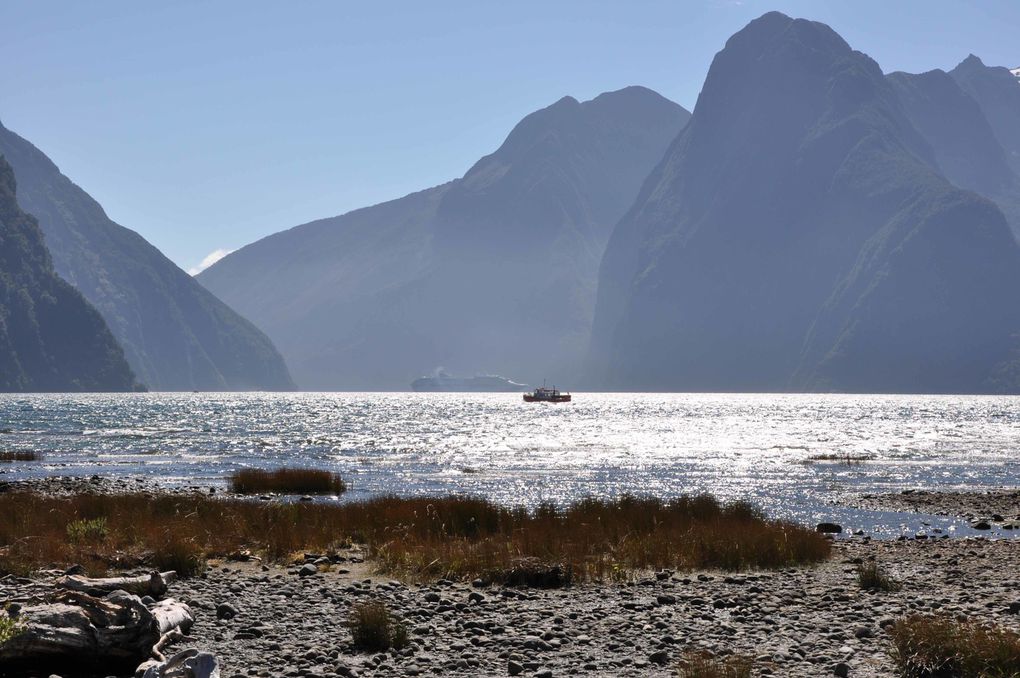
x,y
375,629
417,538
872,577
939,646
20,455
87,530
287,481
9,628
703,665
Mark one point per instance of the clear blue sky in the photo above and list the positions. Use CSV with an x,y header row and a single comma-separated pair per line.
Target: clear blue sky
x,y
206,125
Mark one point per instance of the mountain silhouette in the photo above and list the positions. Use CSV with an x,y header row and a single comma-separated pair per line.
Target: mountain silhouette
x,y
175,334
797,236
51,338
494,272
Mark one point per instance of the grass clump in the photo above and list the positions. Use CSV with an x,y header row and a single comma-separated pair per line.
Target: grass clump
x,y
20,455
704,665
87,530
9,628
375,629
286,481
872,577
419,538
939,646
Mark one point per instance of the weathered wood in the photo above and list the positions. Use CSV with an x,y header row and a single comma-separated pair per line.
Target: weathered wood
x,y
186,664
154,584
76,631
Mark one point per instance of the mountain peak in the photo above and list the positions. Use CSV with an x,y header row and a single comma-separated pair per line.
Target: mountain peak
x,y
972,61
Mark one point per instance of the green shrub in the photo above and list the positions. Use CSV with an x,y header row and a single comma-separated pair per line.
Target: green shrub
x,y
87,530
9,628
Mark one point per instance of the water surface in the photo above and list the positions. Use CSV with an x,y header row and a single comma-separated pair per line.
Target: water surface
x,y
770,449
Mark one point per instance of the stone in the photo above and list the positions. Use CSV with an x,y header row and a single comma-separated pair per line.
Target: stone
x,y
829,528
841,669
225,611
514,668
308,570
661,657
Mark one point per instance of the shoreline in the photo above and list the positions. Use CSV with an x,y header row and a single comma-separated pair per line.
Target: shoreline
x,y
290,620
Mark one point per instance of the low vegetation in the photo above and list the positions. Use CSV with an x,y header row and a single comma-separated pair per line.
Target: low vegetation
x,y
375,629
938,646
286,481
418,538
872,577
9,628
20,455
89,531
703,665
845,458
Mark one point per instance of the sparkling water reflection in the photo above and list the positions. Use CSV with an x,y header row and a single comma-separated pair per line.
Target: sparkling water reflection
x,y
788,453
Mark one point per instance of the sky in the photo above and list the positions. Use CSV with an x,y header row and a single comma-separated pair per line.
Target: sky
x,y
207,125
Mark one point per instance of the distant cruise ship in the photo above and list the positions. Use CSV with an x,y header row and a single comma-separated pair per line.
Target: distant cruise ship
x,y
1016,72
487,383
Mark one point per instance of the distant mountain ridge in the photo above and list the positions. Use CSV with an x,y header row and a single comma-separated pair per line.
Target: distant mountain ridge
x,y
995,90
798,236
51,338
965,146
175,334
494,272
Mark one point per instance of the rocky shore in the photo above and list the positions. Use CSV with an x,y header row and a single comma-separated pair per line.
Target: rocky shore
x,y
291,621
999,507
270,620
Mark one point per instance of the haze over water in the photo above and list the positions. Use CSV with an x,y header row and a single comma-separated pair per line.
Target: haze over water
x,y
764,448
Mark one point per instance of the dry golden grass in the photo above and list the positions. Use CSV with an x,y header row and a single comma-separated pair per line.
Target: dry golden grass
x,y
375,629
702,665
418,538
20,455
941,647
872,577
287,481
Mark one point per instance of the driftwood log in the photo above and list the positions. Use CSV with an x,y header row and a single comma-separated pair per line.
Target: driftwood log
x,y
76,632
154,584
186,664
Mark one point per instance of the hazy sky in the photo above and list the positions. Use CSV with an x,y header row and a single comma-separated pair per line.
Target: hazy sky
x,y
206,125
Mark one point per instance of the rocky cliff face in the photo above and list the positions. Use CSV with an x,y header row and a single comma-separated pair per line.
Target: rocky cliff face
x,y
51,338
797,237
175,334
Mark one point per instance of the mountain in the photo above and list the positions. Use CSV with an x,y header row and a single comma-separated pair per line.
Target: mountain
x,y
51,339
175,334
966,148
796,236
997,91
494,272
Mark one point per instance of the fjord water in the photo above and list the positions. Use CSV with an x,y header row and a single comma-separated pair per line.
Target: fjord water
x,y
774,450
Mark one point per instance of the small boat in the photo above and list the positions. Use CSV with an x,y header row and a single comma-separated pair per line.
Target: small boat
x,y
546,395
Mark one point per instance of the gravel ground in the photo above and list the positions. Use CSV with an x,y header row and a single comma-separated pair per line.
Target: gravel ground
x,y
798,622
998,507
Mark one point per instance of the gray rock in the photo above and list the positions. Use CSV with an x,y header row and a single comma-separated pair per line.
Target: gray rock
x,y
226,611
308,570
661,657
513,668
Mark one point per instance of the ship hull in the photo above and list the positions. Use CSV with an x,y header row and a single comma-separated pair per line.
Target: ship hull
x,y
564,398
